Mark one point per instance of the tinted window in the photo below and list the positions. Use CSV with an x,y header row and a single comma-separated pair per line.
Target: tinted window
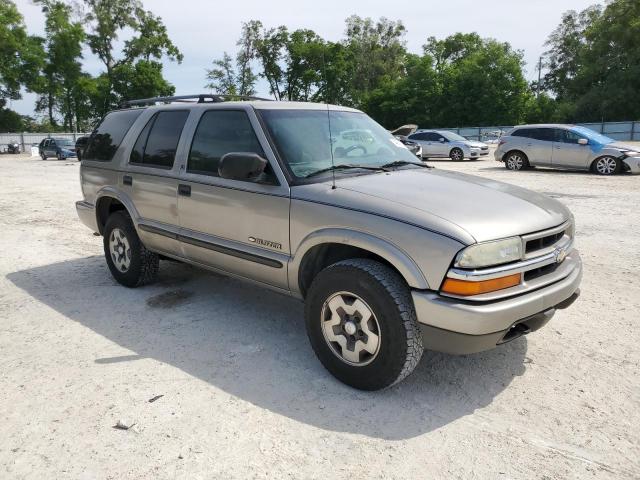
x,y
420,136
545,134
435,137
523,132
220,132
158,141
105,140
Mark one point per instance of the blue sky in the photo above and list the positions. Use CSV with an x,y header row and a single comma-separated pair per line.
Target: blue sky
x,y
204,29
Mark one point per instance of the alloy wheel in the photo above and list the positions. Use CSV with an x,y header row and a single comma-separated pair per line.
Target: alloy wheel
x,y
456,154
120,250
350,328
515,162
606,165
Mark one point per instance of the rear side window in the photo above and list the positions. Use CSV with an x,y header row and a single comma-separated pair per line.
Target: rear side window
x,y
157,143
220,132
106,139
523,132
544,134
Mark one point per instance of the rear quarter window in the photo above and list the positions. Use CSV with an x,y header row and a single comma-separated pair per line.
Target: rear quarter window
x,y
106,139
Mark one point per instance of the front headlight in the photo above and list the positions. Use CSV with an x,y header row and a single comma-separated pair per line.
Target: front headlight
x,y
630,153
490,253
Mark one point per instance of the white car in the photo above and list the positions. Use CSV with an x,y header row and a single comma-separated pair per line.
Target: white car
x,y
445,144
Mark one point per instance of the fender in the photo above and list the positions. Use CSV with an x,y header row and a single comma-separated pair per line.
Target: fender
x,y
122,197
385,249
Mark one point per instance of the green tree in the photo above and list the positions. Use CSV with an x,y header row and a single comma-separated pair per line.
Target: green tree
x,y
20,54
480,81
594,62
107,20
376,53
140,80
58,88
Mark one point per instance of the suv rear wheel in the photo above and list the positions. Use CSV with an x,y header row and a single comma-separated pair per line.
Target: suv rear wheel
x,y
516,160
129,261
362,324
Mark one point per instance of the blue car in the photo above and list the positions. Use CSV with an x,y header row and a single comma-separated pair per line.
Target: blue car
x,y
61,148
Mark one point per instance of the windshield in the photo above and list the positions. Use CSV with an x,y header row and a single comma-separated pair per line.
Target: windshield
x,y
453,136
64,142
303,140
593,135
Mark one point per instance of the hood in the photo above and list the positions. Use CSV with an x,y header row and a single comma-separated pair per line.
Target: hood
x,y
405,130
468,208
622,146
473,143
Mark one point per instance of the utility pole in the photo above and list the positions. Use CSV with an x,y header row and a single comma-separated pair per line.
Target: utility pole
x,y
539,77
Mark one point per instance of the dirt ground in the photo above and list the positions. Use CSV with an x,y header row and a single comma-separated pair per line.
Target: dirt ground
x,y
242,394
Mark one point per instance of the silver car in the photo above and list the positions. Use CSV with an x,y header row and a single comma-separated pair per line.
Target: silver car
x,y
568,147
321,203
445,144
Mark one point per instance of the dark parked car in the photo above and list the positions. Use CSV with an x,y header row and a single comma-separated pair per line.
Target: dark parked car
x,y
81,145
60,148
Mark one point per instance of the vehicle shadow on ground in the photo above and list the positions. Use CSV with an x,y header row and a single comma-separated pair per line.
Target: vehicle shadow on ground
x,y
251,343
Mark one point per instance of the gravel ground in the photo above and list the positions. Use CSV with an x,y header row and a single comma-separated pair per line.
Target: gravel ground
x,y
242,395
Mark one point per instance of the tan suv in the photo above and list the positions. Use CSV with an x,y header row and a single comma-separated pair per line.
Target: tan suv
x,y
322,203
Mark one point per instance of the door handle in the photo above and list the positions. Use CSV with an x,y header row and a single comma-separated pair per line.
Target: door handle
x,y
127,180
184,190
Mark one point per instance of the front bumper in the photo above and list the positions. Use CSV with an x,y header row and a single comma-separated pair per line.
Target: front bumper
x,y
633,164
476,153
458,326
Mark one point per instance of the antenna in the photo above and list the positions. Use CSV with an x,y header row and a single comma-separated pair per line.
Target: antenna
x,y
326,83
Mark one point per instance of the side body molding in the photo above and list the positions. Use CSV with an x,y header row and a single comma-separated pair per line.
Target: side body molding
x,y
385,249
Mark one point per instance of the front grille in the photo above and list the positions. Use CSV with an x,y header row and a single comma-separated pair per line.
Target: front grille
x,y
484,148
539,272
541,243
544,242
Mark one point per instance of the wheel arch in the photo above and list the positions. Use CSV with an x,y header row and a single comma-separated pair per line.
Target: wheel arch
x,y
514,150
109,200
328,246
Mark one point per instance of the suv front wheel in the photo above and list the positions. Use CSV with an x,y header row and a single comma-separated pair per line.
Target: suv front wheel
x,y
129,261
362,324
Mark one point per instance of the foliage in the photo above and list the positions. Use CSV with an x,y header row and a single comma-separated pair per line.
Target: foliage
x,y
107,20
20,54
594,63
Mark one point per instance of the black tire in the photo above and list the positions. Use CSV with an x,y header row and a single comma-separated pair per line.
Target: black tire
x,y
143,264
387,294
606,165
43,156
59,156
456,154
516,160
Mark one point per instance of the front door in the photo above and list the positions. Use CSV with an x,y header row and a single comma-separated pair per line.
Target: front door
x,y
240,227
567,152
51,148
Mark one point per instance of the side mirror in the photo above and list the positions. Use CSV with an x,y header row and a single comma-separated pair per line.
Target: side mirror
x,y
583,141
245,166
441,140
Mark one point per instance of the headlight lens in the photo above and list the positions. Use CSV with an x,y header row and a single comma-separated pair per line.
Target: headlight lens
x,y
490,253
630,153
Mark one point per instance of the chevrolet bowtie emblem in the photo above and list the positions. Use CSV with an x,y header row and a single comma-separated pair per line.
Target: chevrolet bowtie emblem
x,y
560,255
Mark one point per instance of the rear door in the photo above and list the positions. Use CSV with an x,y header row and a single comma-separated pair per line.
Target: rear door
x,y
567,152
540,145
240,227
151,180
51,148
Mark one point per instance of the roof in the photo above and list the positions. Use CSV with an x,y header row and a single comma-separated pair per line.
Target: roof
x,y
546,125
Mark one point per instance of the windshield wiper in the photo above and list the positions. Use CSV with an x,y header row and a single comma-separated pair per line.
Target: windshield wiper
x,y
401,163
346,167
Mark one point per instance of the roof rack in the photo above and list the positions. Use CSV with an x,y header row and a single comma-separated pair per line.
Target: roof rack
x,y
201,98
